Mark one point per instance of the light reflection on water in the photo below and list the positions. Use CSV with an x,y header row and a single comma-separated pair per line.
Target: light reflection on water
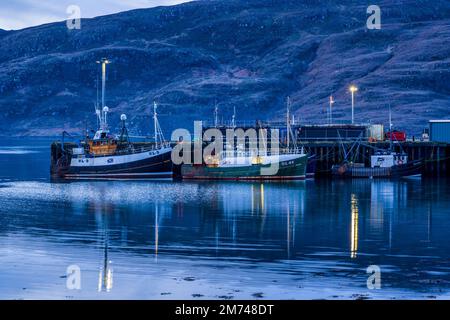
x,y
159,240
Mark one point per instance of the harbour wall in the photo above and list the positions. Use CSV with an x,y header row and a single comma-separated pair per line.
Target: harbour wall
x,y
328,153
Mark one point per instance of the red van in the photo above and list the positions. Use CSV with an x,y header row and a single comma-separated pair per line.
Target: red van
x,y
396,135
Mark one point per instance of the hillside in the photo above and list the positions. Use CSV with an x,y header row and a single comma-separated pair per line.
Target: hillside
x,y
242,53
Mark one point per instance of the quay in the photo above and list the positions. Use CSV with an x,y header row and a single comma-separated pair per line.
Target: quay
x,y
329,153
328,148
328,142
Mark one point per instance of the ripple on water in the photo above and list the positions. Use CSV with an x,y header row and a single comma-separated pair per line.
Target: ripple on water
x,y
16,150
116,192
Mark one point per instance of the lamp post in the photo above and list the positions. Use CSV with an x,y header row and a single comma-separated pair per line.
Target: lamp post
x,y
353,89
331,110
104,110
103,62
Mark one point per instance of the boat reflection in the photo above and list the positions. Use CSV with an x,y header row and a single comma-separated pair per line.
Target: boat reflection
x,y
156,231
141,239
225,223
354,226
105,277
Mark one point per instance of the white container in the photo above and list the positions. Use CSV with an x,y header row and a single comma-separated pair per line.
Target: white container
x,y
78,151
376,132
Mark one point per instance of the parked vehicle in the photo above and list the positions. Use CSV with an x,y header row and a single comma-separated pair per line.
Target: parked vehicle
x,y
396,135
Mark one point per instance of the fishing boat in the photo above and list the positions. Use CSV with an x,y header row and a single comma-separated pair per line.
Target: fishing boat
x,y
383,164
238,164
110,156
291,166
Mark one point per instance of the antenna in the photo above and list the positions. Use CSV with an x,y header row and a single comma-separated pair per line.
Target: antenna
x,y
233,118
158,135
97,113
216,114
155,121
289,127
390,118
331,110
390,128
288,120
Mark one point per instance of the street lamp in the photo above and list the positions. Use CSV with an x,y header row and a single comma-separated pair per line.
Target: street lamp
x,y
103,62
331,110
104,110
353,89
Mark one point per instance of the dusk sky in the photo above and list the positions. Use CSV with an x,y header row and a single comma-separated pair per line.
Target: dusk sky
x,y
19,14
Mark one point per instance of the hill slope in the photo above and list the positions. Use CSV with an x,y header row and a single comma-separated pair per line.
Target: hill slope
x,y
247,54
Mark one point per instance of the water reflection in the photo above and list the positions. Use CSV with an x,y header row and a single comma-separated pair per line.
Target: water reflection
x,y
260,233
289,227
354,226
105,276
156,231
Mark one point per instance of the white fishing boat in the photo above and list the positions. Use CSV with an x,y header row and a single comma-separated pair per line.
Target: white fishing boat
x,y
110,156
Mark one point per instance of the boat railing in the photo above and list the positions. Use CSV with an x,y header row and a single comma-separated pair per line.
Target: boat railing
x,y
130,149
260,153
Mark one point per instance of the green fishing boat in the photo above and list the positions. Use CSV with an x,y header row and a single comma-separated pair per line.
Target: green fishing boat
x,y
283,164
290,167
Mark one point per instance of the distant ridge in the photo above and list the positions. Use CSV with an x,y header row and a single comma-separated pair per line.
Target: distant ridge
x,y
244,54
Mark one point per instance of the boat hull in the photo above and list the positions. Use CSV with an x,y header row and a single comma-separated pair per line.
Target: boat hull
x,y
294,169
145,165
409,169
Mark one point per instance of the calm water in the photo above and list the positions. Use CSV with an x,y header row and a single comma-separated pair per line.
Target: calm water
x,y
164,240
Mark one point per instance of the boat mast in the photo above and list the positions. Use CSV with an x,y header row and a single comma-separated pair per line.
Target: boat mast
x,y
216,114
390,129
104,109
155,121
158,135
104,62
288,121
331,110
233,118
124,134
97,111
